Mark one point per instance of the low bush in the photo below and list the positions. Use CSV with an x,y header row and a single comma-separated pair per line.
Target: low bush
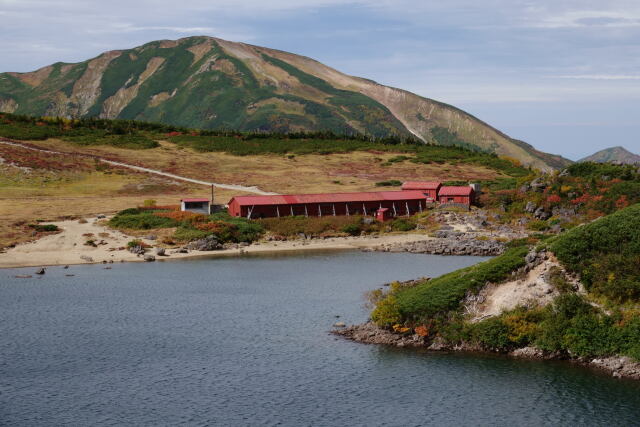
x,y
44,227
445,292
403,224
188,234
606,254
352,229
389,183
141,221
292,226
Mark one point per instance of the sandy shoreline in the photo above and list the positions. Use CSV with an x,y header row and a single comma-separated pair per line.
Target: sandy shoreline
x,y
68,247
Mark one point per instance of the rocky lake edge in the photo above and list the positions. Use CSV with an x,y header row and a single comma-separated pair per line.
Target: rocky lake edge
x,y
370,333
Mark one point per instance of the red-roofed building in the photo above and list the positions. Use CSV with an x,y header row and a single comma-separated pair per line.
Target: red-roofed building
x,y
399,203
429,188
456,194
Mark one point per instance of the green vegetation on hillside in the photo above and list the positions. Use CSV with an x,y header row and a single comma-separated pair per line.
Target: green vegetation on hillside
x,y
582,192
206,83
604,253
143,135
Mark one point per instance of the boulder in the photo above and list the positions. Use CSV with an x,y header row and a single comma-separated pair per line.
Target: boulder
x,y
160,251
86,258
40,271
530,207
541,214
149,258
138,250
531,257
209,243
151,237
538,185
556,229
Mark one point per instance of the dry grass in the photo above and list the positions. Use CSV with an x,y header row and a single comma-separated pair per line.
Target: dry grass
x,y
56,187
37,186
357,171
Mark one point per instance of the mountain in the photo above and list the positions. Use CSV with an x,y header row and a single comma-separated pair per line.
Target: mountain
x,y
209,83
613,155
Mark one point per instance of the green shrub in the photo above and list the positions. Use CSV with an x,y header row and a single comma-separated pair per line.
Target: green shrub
x,y
492,334
45,227
538,225
135,242
606,254
403,224
188,234
292,226
387,312
352,229
591,335
389,183
141,221
445,292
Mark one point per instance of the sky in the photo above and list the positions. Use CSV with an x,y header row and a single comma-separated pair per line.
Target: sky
x,y
562,75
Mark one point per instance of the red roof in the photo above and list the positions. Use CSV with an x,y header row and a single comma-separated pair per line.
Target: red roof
x,y
455,191
194,200
420,185
292,199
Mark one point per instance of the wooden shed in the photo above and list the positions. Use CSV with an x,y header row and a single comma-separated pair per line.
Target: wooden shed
x,y
462,195
428,188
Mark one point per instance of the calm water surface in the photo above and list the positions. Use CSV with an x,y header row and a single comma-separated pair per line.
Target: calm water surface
x,y
243,341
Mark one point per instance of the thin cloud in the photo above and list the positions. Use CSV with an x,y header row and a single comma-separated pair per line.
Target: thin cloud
x,y
600,77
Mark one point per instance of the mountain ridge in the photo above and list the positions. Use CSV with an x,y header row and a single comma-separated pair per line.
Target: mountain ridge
x,y
616,154
207,82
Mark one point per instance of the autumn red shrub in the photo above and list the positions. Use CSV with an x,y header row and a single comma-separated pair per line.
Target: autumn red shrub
x,y
622,202
160,208
554,198
181,216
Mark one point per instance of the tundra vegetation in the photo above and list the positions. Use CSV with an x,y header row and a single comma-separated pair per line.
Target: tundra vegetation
x,y
140,136
603,321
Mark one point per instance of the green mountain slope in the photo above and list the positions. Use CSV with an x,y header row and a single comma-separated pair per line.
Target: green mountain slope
x,y
209,83
613,155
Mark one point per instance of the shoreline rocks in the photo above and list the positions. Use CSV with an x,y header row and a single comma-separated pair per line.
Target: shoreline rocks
x,y
209,243
449,243
369,333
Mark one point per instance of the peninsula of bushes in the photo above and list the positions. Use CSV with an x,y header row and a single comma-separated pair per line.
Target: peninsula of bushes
x,y
598,318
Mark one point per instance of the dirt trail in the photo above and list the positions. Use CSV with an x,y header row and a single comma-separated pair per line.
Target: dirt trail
x,y
251,189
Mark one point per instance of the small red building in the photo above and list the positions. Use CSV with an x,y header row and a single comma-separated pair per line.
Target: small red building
x,y
429,188
383,214
456,194
399,203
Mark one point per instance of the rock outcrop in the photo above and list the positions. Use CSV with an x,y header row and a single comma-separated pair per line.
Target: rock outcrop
x,y
209,243
449,243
